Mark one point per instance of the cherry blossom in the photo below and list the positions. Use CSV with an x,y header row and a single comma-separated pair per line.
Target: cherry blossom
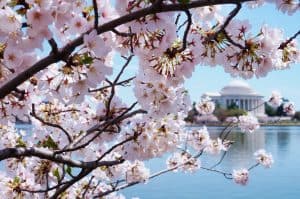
x,y
264,158
10,22
199,139
183,161
13,58
60,69
276,99
248,123
137,172
215,147
205,107
241,176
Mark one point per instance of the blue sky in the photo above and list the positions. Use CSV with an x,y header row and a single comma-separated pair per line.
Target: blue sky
x,y
207,78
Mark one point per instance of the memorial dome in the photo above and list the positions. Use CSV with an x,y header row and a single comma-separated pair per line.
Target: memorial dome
x,y
237,87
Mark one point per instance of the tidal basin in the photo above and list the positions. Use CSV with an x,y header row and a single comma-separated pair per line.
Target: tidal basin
x,y
279,182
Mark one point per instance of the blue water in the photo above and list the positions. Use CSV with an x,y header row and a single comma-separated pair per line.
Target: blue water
x,y
282,181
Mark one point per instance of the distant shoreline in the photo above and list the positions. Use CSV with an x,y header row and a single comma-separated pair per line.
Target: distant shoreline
x,y
263,124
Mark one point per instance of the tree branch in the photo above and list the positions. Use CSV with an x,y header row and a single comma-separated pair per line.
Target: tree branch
x,y
49,155
284,44
121,83
64,52
96,20
187,30
33,114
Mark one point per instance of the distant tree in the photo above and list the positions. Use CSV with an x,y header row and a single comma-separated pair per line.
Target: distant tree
x,y
278,111
297,116
233,106
222,113
270,111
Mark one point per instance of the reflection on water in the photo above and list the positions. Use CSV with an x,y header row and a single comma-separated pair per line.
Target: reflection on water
x,y
279,182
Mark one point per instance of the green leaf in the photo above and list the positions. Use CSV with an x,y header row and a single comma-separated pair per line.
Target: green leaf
x,y
49,143
69,170
17,180
86,59
55,173
20,143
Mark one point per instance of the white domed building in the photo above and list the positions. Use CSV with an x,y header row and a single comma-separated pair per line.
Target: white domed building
x,y
242,95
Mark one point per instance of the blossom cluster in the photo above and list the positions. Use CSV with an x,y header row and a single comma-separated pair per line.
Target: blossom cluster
x,y
60,56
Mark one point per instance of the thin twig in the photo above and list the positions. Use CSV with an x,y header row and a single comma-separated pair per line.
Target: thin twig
x,y
33,114
284,44
121,83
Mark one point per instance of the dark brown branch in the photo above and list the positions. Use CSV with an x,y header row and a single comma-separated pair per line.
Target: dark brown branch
x,y
64,52
49,155
96,14
232,14
53,45
82,174
181,25
284,44
187,30
177,19
222,30
122,34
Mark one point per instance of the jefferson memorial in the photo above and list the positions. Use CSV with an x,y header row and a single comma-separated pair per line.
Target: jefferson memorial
x,y
242,95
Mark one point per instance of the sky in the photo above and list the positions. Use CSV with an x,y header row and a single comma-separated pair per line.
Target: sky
x,y
209,79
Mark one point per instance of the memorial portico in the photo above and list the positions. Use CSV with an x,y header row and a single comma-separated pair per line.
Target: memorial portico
x,y
242,95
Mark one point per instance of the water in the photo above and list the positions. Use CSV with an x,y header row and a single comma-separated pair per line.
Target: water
x,y
282,181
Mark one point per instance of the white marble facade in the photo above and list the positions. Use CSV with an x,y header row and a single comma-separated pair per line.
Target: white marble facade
x,y
241,94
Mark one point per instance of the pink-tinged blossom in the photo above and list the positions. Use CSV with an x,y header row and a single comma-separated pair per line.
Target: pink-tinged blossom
x,y
39,18
137,172
78,25
13,57
199,139
256,3
264,158
215,147
248,123
205,106
276,99
98,71
241,176
41,3
289,108
209,14
96,44
10,21
3,3
183,161
158,95
271,38
287,6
